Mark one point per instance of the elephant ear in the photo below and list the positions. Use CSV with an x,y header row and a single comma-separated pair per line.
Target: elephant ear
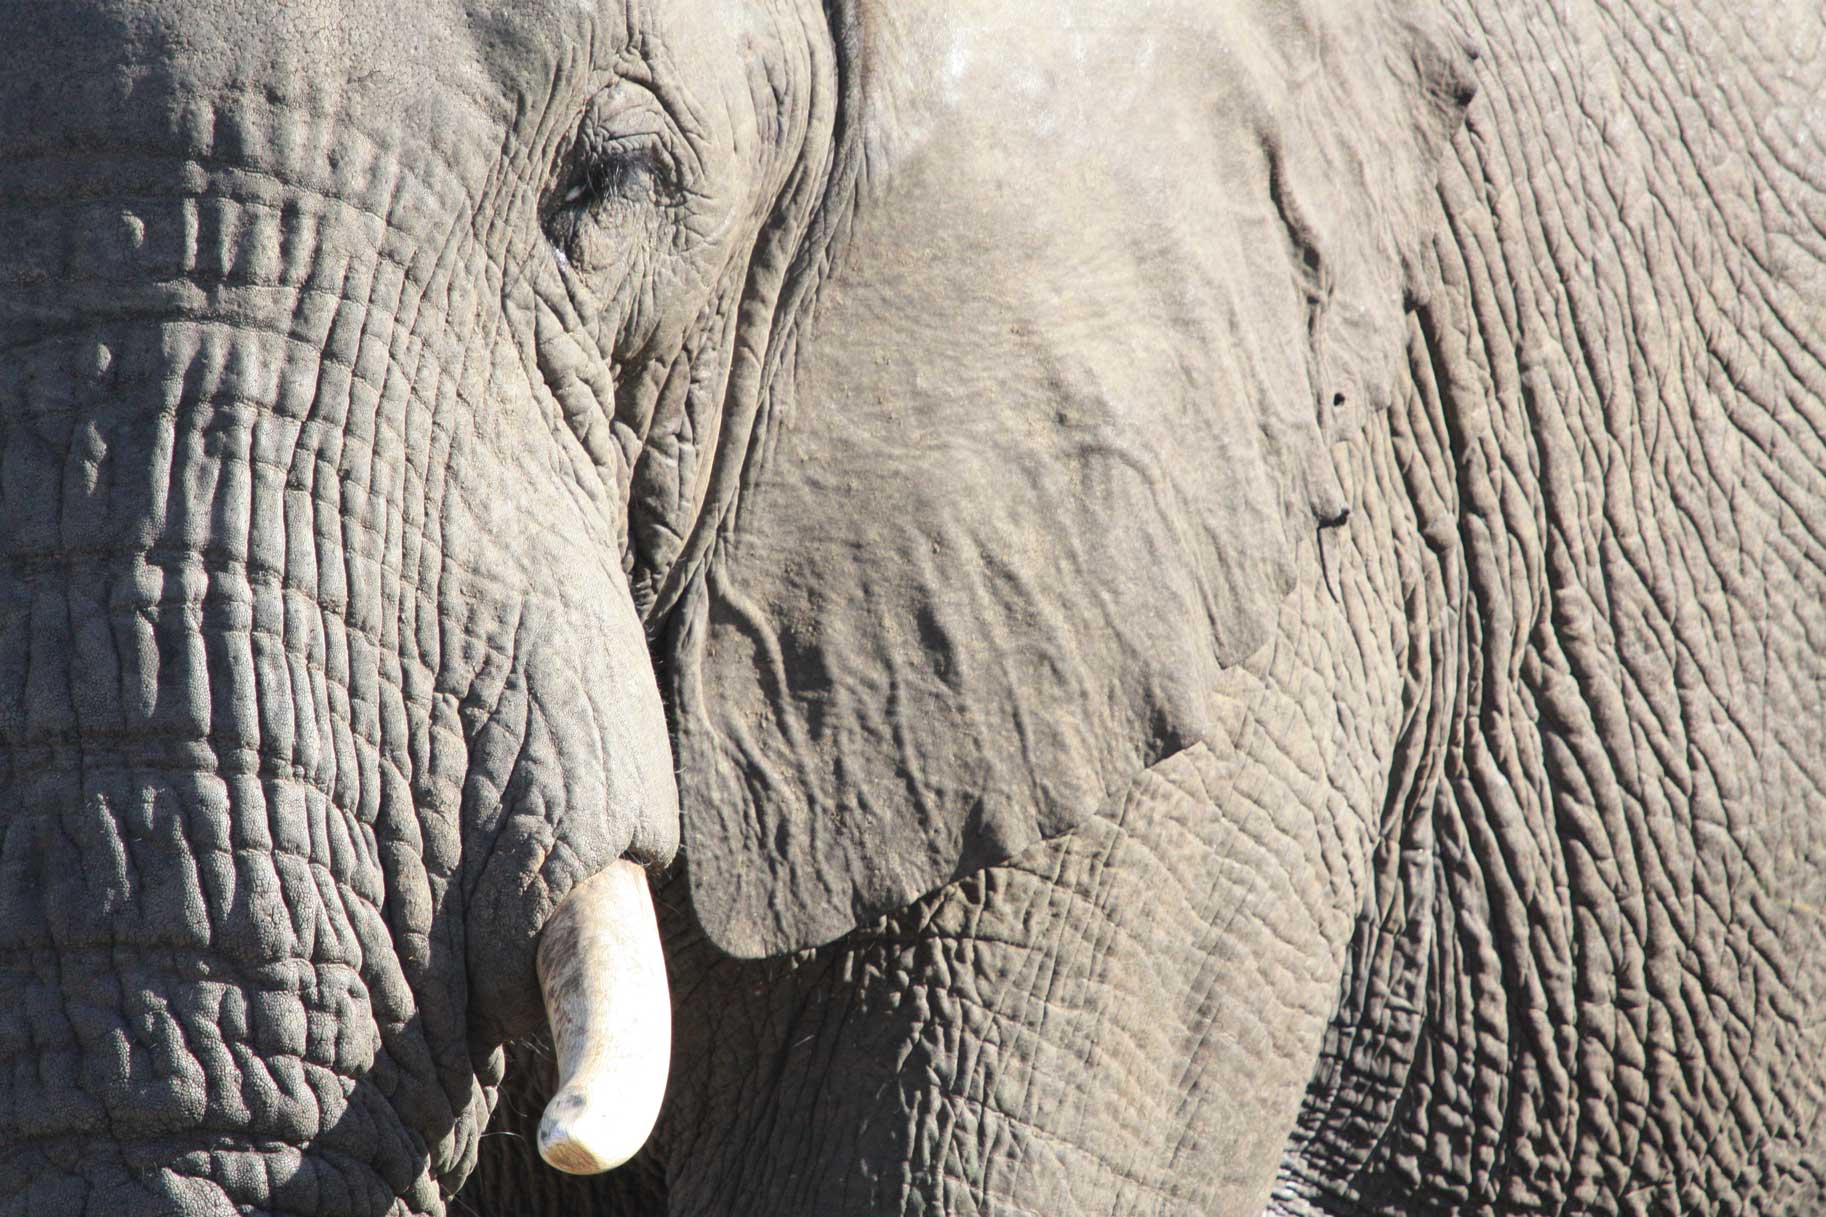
x,y
1039,458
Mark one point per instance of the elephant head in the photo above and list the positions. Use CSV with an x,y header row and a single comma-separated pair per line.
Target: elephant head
x,y
422,427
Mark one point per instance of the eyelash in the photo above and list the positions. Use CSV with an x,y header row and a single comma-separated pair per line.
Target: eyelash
x,y
618,170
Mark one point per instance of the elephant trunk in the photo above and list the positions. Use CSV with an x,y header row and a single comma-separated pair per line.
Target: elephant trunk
x,y
604,981
320,681
284,746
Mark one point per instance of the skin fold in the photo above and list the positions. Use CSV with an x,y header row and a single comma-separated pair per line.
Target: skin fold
x,y
1193,608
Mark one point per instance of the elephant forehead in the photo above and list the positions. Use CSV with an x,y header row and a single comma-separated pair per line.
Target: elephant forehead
x,y
403,61
147,75
298,52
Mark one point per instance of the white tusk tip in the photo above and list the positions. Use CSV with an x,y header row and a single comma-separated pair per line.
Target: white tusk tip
x,y
580,1140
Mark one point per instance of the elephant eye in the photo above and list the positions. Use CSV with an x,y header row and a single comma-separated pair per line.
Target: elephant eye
x,y
616,179
630,168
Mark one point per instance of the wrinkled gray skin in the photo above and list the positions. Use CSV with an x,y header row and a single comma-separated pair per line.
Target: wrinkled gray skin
x,y
938,421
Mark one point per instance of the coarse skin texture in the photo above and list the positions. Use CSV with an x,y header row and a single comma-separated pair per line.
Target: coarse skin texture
x,y
1621,993
1594,980
1236,625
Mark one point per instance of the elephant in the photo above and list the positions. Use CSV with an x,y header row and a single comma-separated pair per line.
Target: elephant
x,y
1183,607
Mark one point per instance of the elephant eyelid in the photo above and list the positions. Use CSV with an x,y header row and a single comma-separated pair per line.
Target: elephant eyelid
x,y
622,166
625,146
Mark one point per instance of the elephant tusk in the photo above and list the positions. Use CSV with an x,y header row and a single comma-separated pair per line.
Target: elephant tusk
x,y
604,980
